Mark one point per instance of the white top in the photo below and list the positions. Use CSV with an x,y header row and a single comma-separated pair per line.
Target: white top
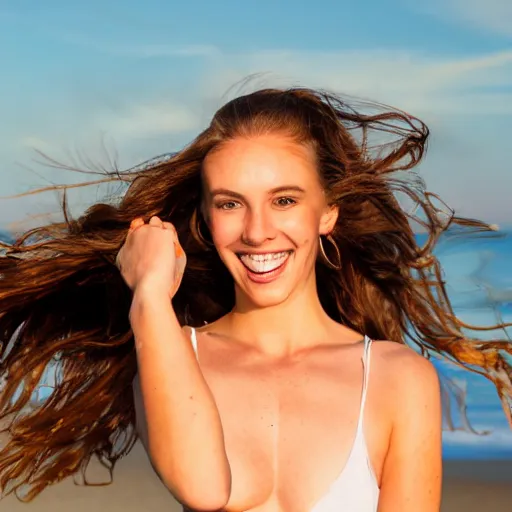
x,y
355,489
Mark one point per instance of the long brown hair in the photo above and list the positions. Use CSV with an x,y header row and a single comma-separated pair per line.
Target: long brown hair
x,y
62,298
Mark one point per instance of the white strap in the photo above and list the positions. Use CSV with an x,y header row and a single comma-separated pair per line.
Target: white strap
x,y
193,340
366,378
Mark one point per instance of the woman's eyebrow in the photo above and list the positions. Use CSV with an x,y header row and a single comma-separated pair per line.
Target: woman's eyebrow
x,y
231,193
225,192
288,188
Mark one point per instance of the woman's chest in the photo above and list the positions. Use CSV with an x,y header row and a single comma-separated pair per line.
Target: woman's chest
x,y
288,429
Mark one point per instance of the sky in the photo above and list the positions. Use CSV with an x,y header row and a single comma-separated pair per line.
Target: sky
x,y
129,80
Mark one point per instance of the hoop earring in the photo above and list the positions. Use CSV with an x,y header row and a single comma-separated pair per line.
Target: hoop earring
x,y
326,258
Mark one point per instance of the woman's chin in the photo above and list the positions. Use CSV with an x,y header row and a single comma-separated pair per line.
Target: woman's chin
x,y
265,289
265,296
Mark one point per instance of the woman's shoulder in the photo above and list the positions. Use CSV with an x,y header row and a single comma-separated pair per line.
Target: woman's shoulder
x,y
398,354
216,325
407,374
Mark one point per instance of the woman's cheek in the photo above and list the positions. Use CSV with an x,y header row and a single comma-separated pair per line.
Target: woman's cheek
x,y
225,228
300,228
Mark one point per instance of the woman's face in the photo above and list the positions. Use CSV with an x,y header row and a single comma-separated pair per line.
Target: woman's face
x,y
266,208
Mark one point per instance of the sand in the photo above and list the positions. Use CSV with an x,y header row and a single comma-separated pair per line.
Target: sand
x,y
470,486
483,486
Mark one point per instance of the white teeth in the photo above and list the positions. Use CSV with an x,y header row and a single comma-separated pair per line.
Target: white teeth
x,y
260,263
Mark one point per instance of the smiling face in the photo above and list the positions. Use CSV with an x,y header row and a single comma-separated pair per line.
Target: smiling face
x,y
266,208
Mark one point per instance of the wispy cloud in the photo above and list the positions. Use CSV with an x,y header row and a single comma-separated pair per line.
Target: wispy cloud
x,y
144,50
414,81
437,88
148,120
431,86
493,16
38,143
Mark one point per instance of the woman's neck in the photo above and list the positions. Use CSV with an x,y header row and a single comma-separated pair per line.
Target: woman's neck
x,y
297,323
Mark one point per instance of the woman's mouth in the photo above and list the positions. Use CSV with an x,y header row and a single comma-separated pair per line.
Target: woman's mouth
x,y
264,267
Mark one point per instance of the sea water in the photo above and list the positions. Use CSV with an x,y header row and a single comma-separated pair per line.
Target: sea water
x,y
478,273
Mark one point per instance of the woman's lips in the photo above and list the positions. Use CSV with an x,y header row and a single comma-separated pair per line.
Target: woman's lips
x,y
263,268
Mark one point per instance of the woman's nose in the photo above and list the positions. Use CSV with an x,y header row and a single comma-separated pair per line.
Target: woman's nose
x,y
259,227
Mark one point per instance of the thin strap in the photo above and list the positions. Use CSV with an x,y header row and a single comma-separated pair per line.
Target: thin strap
x,y
193,339
366,378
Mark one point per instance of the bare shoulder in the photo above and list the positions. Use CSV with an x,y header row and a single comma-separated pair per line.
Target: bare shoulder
x,y
409,377
402,361
409,387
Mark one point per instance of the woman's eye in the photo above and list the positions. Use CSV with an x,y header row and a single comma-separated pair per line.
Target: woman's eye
x,y
227,205
285,201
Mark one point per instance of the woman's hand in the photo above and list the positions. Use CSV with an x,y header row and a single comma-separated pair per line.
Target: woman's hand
x,y
152,257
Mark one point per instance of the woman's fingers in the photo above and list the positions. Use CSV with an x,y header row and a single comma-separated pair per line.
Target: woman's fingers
x,y
150,251
168,225
136,223
155,221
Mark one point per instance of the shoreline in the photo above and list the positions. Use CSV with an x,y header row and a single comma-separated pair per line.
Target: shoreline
x,y
497,471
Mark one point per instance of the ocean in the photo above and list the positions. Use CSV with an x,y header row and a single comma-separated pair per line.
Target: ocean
x,y
479,282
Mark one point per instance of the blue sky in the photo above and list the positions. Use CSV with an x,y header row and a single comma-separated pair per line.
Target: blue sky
x,y
137,79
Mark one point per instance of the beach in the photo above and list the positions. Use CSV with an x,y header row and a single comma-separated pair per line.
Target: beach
x,y
469,486
477,485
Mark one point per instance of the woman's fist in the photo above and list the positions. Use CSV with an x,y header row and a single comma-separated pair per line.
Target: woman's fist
x,y
152,256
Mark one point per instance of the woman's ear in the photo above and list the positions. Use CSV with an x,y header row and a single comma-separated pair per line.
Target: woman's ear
x,y
329,219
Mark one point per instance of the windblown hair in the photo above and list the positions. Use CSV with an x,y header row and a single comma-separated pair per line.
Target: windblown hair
x,y
62,298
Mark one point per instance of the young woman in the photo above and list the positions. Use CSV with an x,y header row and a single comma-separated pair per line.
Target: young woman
x,y
272,280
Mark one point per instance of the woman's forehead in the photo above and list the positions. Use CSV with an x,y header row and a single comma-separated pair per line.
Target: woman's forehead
x,y
258,162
